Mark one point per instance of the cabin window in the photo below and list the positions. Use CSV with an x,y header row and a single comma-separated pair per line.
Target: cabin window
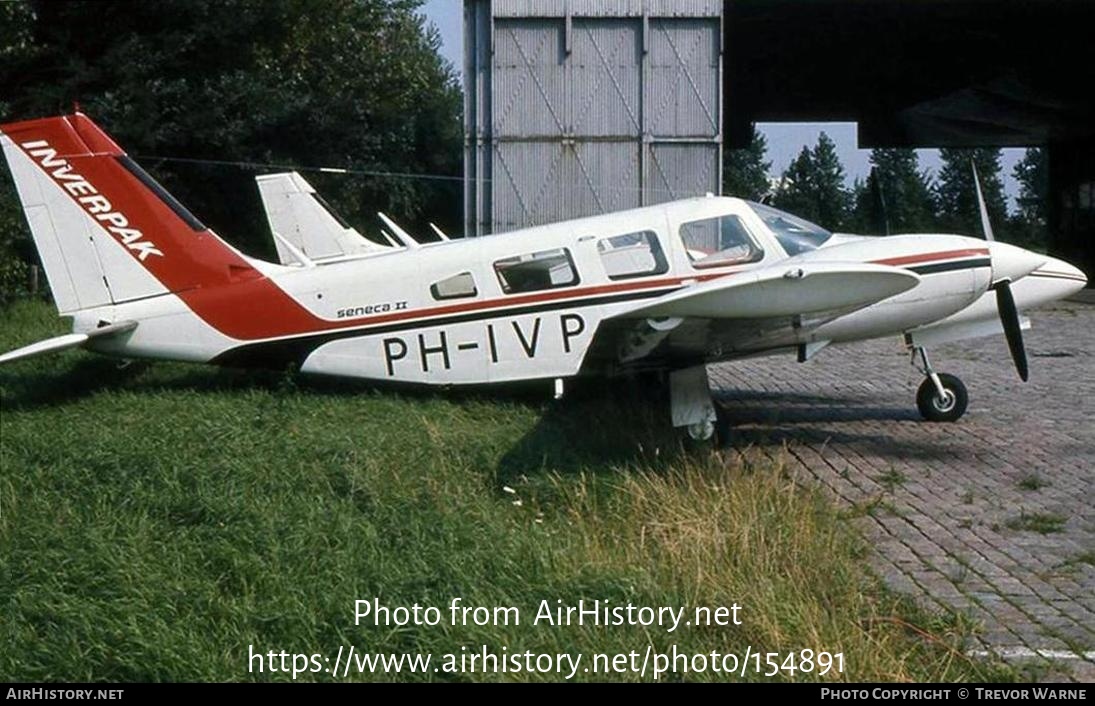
x,y
546,269
455,287
632,255
715,242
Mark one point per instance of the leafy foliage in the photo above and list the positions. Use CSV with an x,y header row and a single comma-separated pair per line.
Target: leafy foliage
x,y
955,193
745,171
905,190
346,83
1029,226
813,186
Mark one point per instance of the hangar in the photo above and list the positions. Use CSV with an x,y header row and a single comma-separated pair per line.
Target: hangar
x,y
917,73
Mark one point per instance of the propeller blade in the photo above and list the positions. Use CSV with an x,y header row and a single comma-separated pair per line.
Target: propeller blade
x,y
986,225
1013,330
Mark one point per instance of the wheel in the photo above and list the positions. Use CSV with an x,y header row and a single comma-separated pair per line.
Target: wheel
x,y
948,409
722,428
714,433
701,431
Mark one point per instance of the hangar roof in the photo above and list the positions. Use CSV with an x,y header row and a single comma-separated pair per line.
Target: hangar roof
x,y
922,73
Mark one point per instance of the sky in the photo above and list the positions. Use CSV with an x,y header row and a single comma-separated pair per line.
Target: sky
x,y
785,140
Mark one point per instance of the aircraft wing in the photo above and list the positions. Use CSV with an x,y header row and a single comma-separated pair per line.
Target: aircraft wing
x,y
783,290
751,310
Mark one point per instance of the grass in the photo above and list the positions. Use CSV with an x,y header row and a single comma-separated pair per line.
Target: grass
x,y
892,479
1040,522
1032,481
157,521
1079,559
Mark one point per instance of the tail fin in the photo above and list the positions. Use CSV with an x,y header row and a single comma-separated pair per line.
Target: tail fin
x,y
105,230
299,217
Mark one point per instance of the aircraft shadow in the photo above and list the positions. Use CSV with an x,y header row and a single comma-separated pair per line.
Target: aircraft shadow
x,y
820,438
52,388
596,427
598,430
88,376
778,410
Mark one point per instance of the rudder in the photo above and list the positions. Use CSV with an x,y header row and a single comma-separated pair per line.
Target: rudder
x,y
105,230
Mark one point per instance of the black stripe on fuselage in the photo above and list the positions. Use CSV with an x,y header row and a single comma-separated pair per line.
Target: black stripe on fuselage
x,y
1058,275
937,267
282,352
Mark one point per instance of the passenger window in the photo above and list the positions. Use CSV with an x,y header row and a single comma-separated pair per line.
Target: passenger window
x,y
455,287
632,255
540,270
719,241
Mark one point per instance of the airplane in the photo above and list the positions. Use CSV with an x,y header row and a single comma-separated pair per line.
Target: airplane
x,y
663,289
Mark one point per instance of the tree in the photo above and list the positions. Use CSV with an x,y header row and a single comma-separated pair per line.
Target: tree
x,y
904,189
956,197
15,250
745,171
344,83
1029,225
813,186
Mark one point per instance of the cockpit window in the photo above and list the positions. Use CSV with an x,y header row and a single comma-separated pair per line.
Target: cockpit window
x,y
723,240
793,233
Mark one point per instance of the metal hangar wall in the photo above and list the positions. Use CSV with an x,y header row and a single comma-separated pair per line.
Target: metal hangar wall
x,y
579,107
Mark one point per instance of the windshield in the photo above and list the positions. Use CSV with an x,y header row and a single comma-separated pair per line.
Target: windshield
x,y
793,233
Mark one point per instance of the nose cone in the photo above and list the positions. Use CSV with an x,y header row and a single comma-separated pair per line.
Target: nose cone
x,y
1013,263
1068,277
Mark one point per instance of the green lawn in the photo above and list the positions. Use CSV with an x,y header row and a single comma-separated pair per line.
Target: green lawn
x,y
157,520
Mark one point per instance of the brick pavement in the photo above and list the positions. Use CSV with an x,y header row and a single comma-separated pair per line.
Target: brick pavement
x,y
992,516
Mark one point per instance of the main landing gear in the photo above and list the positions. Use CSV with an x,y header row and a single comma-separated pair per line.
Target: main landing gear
x,y
693,409
941,397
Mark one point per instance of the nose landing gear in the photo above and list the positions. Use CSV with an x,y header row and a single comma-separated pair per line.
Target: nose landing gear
x,y
941,397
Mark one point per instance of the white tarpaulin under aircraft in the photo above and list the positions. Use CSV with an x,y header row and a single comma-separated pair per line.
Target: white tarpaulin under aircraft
x,y
665,288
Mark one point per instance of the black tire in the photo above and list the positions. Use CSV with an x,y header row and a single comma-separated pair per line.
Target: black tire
x,y
723,429
935,410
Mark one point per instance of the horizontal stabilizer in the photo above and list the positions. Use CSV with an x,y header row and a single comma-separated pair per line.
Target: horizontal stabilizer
x,y
783,290
50,345
70,340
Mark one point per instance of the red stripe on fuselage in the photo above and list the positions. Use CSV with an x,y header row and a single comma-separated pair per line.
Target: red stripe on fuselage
x,y
931,257
243,303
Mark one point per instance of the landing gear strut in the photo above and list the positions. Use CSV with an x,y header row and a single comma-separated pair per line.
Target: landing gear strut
x,y
692,407
941,397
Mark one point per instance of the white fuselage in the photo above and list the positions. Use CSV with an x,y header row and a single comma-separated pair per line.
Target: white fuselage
x,y
441,313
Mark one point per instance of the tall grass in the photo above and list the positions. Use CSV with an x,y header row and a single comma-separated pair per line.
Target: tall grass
x,y
156,521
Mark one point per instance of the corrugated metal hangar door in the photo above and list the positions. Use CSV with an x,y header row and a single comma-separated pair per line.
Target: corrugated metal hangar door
x,y
575,108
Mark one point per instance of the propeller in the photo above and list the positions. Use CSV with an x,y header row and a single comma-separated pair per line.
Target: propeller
x,y
986,225
1005,300
1013,329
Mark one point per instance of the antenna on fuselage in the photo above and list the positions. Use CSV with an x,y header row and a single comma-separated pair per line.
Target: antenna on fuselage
x,y
404,236
297,254
440,233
